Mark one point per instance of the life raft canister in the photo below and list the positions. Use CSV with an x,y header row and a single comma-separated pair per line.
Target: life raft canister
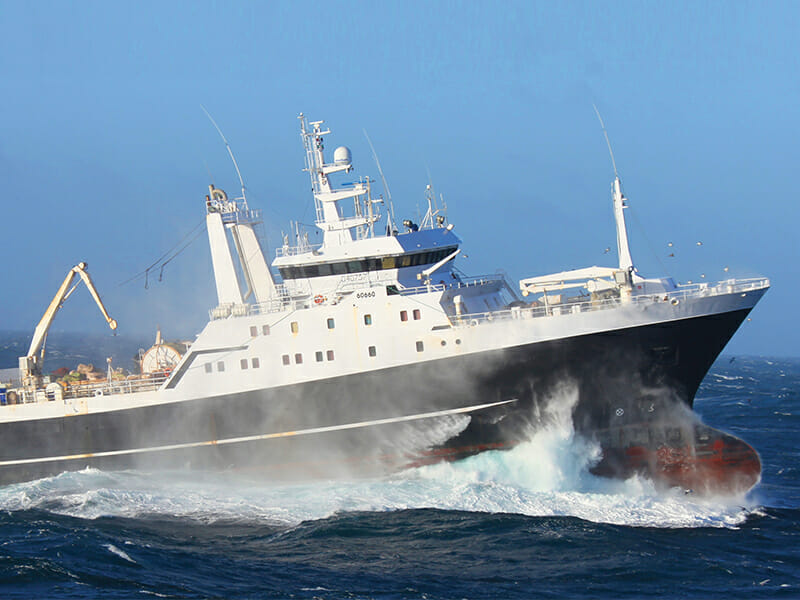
x,y
319,299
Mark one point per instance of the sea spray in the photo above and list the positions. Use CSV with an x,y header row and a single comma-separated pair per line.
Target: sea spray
x,y
546,476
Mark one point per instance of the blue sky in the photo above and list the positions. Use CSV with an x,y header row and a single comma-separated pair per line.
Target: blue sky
x,y
105,152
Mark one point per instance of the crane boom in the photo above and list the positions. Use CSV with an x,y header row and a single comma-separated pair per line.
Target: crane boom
x,y
30,366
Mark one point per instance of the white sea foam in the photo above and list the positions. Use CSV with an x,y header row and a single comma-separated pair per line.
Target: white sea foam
x,y
485,483
727,377
547,476
121,553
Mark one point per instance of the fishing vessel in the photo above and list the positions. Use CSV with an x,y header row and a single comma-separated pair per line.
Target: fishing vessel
x,y
372,351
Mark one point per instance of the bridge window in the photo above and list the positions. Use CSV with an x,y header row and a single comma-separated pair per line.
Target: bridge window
x,y
256,363
403,315
331,323
330,354
319,356
253,331
371,350
265,329
298,359
285,359
243,362
366,264
208,367
220,366
295,327
367,319
417,314
420,347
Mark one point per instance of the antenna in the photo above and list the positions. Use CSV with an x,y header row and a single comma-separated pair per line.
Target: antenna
x,y
383,179
623,246
608,143
230,152
433,193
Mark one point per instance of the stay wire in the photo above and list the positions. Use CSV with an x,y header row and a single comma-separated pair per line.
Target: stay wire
x,y
168,255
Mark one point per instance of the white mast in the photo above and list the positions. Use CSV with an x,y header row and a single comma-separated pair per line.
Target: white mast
x,y
620,204
336,227
623,249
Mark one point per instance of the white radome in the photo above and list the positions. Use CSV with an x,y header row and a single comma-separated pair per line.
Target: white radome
x,y
342,156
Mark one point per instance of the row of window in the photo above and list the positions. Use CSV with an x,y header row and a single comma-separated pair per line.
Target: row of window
x,y
286,359
415,313
254,330
255,363
331,323
366,264
298,358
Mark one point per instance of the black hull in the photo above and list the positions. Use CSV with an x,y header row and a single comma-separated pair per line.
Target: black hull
x,y
626,380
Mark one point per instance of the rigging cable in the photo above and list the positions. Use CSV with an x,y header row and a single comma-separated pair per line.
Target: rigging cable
x,y
168,256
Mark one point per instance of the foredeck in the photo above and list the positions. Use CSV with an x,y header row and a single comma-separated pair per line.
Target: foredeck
x,y
581,304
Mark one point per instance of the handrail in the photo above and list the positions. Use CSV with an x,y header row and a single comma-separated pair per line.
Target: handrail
x,y
296,250
695,290
85,389
682,291
142,383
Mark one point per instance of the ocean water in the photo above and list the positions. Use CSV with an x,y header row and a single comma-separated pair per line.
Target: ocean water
x,y
528,523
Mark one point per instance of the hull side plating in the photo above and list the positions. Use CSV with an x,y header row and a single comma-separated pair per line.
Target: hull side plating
x,y
628,381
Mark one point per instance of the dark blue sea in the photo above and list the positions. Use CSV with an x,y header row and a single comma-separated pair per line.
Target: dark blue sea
x,y
528,523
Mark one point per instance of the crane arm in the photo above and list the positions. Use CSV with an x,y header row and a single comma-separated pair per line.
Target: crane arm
x,y
93,290
29,365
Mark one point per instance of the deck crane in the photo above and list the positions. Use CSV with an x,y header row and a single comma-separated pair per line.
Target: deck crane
x,y
30,366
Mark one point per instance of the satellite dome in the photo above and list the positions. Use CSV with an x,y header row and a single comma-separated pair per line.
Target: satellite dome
x,y
342,156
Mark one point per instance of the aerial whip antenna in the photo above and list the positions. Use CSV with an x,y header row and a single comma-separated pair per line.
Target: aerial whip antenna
x,y
383,179
230,152
608,143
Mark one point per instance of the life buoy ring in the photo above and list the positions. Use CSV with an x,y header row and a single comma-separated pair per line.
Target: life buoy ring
x,y
319,299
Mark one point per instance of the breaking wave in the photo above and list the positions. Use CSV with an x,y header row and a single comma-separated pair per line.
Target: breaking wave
x,y
546,476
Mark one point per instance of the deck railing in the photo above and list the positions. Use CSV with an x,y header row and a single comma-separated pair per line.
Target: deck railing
x,y
285,302
581,304
88,389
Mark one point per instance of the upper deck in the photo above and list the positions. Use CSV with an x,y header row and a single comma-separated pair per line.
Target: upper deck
x,y
536,310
